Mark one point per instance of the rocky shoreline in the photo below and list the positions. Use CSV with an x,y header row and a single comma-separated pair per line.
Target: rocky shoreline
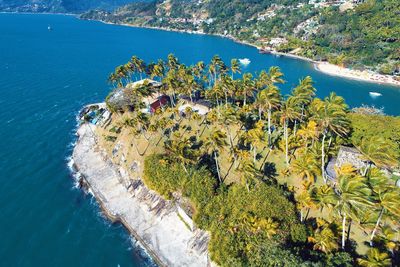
x,y
153,221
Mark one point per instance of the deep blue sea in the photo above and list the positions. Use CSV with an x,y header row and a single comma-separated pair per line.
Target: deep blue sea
x,y
45,78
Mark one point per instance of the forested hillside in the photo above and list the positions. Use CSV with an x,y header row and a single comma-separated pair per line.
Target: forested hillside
x,y
70,6
358,34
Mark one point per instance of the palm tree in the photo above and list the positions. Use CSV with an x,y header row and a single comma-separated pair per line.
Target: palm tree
x,y
215,67
113,79
248,87
235,66
255,138
304,92
389,238
324,197
330,116
273,77
303,200
181,151
378,151
309,132
172,62
229,118
215,143
288,112
269,99
353,195
268,226
386,198
306,166
324,239
375,258
248,172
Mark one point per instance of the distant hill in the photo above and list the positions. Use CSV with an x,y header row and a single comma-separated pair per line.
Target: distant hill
x,y
61,6
353,33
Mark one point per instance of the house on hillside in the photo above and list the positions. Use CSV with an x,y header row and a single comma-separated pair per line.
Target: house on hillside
x,y
154,102
201,106
346,155
122,98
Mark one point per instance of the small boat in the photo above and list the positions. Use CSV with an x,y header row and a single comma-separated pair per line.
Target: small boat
x,y
49,28
374,94
244,61
263,50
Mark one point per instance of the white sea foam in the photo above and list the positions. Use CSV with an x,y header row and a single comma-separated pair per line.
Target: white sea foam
x,y
375,94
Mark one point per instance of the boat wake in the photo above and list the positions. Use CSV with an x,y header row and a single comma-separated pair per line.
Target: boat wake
x,y
244,61
375,94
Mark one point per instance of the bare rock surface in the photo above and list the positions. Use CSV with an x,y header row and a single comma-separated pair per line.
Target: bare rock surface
x,y
152,220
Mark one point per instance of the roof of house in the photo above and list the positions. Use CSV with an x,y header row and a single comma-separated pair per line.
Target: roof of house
x,y
349,150
146,81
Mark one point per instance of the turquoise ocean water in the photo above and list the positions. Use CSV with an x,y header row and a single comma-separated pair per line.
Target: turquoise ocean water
x,y
45,78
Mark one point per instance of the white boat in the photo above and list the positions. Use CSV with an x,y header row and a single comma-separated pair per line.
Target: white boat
x,y
244,61
374,94
49,28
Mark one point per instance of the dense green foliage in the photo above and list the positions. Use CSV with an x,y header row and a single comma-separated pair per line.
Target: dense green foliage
x,y
167,178
367,35
367,128
235,217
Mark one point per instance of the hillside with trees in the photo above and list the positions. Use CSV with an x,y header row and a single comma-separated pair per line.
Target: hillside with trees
x,y
251,168
59,6
356,34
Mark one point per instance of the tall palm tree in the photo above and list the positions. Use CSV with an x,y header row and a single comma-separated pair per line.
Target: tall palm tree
x,y
181,151
288,112
215,67
304,92
353,195
306,166
324,197
248,87
324,239
375,258
386,198
303,200
389,238
273,77
269,99
172,62
215,143
255,138
379,151
235,67
330,116
309,132
227,86
248,172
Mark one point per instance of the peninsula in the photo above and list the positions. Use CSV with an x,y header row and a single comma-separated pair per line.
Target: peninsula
x,y
207,166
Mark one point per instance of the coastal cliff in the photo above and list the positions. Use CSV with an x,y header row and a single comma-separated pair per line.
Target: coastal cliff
x,y
153,221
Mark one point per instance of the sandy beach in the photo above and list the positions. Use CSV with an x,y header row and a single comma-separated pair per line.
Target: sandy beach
x,y
367,76
153,221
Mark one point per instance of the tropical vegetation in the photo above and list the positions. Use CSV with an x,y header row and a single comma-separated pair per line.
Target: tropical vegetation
x,y
252,169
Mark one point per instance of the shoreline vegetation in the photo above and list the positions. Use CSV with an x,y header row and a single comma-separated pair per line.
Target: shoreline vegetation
x,y
322,66
270,180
